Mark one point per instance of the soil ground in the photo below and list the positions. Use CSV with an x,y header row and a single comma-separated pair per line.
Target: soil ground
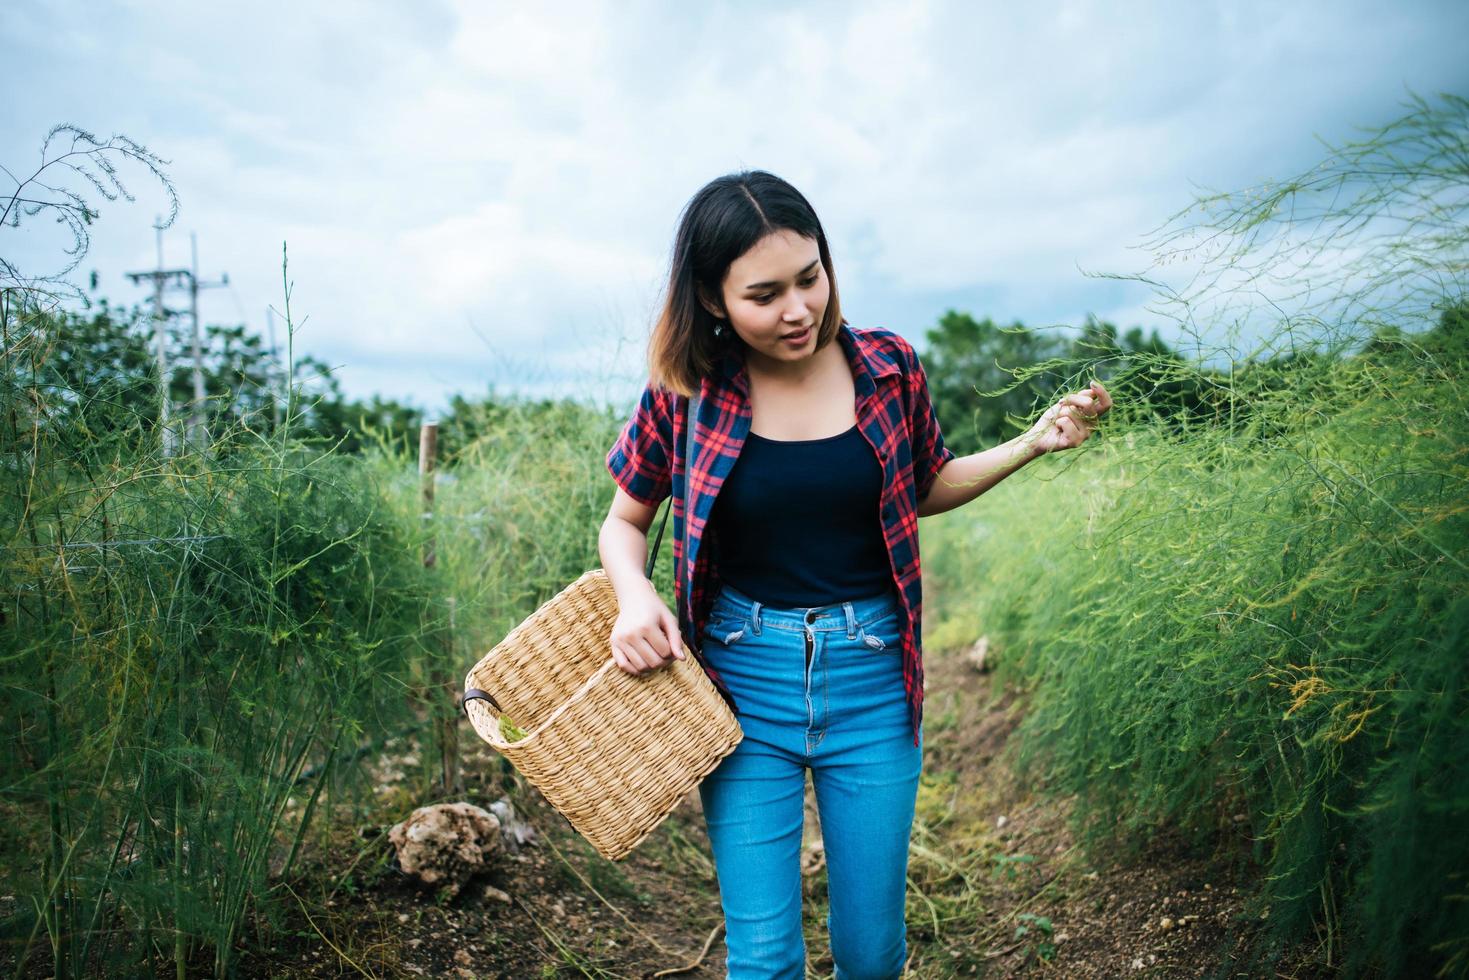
x,y
997,886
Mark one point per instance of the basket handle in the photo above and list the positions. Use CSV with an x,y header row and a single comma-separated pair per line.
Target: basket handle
x,y
473,693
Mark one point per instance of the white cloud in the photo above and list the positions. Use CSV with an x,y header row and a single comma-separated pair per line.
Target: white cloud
x,y
521,168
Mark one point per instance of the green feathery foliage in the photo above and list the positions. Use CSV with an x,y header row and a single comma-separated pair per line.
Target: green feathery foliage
x,y
1251,620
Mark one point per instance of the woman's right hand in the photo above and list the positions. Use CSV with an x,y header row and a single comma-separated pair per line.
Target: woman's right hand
x,y
645,636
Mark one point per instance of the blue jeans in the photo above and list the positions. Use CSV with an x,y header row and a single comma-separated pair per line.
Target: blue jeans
x,y
817,688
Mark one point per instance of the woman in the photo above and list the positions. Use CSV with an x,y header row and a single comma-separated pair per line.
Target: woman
x,y
816,451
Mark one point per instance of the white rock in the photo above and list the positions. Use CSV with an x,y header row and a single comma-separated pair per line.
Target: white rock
x,y
513,831
978,654
445,844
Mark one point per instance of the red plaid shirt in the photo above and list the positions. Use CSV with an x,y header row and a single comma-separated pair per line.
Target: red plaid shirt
x,y
895,415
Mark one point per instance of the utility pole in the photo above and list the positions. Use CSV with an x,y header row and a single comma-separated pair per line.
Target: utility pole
x,y
198,435
161,277
276,372
162,280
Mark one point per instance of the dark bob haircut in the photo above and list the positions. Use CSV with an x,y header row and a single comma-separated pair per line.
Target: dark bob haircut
x,y
723,221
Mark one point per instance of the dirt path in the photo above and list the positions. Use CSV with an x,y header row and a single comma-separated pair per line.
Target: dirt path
x,y
988,858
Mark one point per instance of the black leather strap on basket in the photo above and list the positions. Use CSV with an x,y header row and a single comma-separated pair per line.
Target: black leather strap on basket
x,y
474,693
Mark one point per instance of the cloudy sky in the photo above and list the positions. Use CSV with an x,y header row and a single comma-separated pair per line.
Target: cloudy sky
x,y
481,195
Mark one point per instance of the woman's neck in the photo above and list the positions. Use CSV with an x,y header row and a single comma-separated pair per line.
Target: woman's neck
x,y
792,374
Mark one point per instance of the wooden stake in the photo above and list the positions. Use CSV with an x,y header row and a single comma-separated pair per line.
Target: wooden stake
x,y
443,693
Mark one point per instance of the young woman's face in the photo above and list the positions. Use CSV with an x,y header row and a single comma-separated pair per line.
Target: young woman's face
x,y
775,295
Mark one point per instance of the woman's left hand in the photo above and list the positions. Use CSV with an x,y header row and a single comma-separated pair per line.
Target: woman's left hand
x,y
1066,424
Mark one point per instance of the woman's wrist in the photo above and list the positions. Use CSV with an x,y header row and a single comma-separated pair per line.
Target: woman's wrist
x,y
624,548
1028,446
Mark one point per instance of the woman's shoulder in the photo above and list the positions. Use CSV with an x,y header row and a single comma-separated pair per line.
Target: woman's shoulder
x,y
890,342
660,400
659,406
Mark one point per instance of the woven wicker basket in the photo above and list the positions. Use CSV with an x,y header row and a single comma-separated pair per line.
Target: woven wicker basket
x,y
613,752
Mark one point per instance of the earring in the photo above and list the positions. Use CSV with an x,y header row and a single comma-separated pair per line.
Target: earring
x,y
719,326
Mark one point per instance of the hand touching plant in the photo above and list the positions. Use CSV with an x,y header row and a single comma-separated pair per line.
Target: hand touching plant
x,y
1066,424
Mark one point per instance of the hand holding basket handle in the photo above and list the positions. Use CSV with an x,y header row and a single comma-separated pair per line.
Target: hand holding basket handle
x,y
613,754
644,634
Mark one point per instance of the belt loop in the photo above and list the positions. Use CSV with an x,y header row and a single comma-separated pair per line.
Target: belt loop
x,y
851,621
755,615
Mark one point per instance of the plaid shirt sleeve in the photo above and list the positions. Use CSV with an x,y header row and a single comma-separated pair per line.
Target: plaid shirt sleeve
x,y
640,458
929,452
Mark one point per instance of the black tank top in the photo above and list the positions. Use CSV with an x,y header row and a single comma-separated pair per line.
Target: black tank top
x,y
797,524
